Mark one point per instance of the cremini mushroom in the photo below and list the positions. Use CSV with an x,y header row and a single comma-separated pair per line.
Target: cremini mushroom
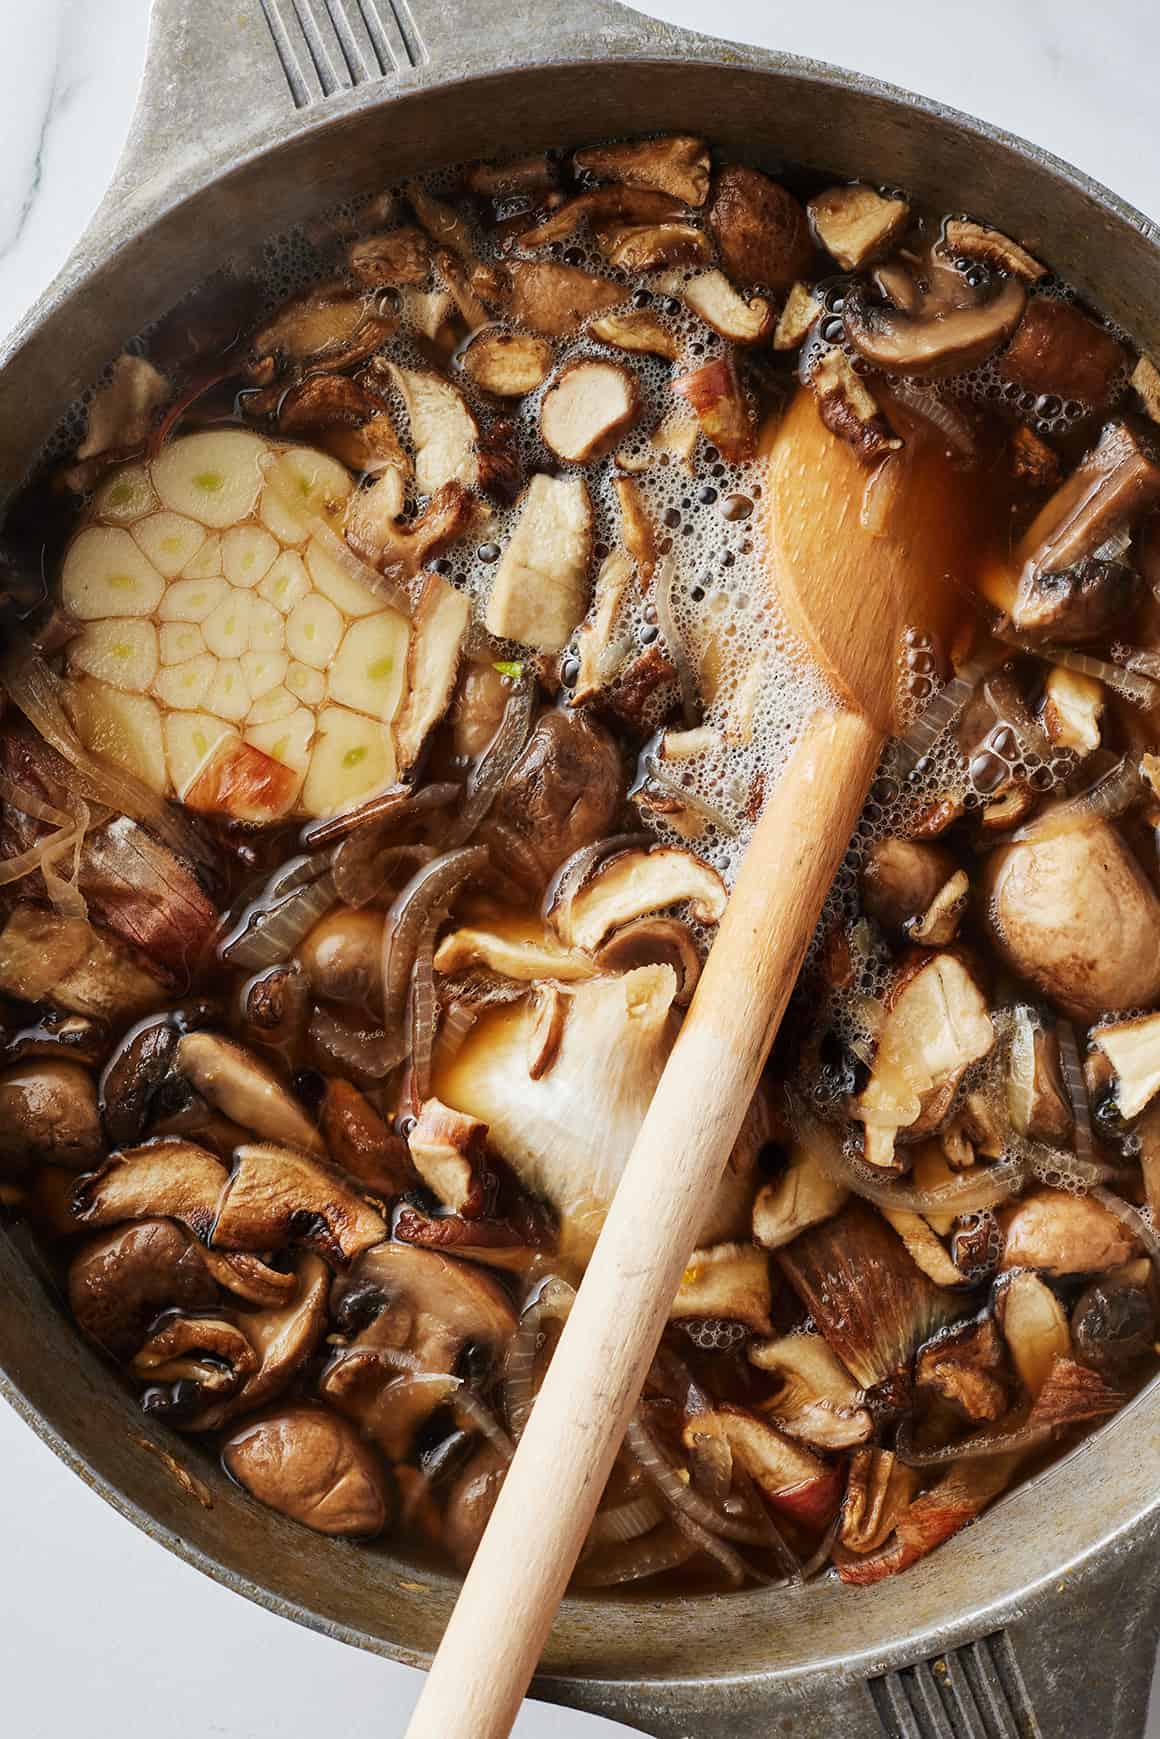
x,y
587,408
1058,1233
599,648
245,1090
192,1364
276,1196
940,922
966,239
628,885
1113,1326
1075,915
760,228
654,247
636,330
312,1466
901,877
714,299
604,210
802,308
394,256
360,1143
924,1247
1110,490
48,1113
713,392
1078,603
795,1482
937,1024
555,300
174,1179
804,1195
952,327
121,1281
727,1283
524,953
375,532
68,963
443,429
472,1499
509,364
676,164
856,224
816,1399
1058,349
563,792
1033,461
540,591
1037,1099
342,956
532,174
330,324
410,1313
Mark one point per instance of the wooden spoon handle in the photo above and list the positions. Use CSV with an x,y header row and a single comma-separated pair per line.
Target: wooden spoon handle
x,y
509,1598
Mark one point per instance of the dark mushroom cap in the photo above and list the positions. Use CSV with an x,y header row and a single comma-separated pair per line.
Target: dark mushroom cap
x,y
122,1281
939,338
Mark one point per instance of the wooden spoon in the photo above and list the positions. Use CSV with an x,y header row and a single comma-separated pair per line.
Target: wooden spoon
x,y
850,594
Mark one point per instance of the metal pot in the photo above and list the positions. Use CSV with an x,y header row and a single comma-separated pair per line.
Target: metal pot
x,y
1044,1616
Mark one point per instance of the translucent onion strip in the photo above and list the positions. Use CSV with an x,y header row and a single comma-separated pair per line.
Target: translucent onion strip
x,y
943,710
495,764
1110,796
268,931
370,1052
1073,1080
431,888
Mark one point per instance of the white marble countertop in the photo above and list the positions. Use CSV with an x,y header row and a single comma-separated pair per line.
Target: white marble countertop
x,y
102,1630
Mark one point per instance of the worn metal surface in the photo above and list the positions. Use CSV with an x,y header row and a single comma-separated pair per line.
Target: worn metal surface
x,y
1044,1616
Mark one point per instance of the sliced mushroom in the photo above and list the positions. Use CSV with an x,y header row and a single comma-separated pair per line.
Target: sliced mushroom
x,y
172,1179
816,1401
48,1114
637,331
727,1283
924,1247
654,942
361,1144
434,315
1034,1326
509,364
1073,706
449,1152
1080,603
802,308
636,528
604,210
496,1243
713,298
206,1354
122,1281
427,1310
677,164
714,394
310,1465
1075,916
277,1197
438,630
952,328
478,707
1111,489
940,922
373,531
1057,1233
901,877
653,247
1037,1099
804,1195
878,1492
856,224
1058,349
849,409
323,401
1132,1047
66,962
587,408
964,1365
442,427
329,324
629,885
974,241
762,231
1032,460
1146,381
441,221
120,416
245,1090
396,256
563,792
516,955
517,175
791,1479
936,1025
556,300
540,592
472,1499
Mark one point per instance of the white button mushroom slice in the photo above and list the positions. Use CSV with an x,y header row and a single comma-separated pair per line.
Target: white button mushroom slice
x,y
540,592
287,582
306,684
715,300
442,428
631,884
169,540
245,1090
181,641
343,589
185,685
267,630
207,563
353,757
121,652
228,694
213,476
247,554
587,408
106,574
1132,1047
227,628
190,740
368,672
264,671
728,1283
439,626
124,495
300,485
855,223
125,728
271,705
192,600
286,738
523,952
313,631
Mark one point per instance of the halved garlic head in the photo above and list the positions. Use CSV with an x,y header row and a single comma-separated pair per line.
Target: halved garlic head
x,y
224,655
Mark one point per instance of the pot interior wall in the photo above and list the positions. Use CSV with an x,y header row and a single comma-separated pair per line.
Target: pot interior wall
x,y
365,1595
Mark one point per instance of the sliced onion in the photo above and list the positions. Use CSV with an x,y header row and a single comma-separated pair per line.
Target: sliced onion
x,y
689,799
356,1050
1137,689
495,764
974,1448
431,888
666,579
424,1008
1140,659
1076,1090
1109,797
397,804
685,1503
70,827
934,719
1021,1067
455,1028
925,404
361,876
626,1521
820,1556
455,1393
664,1549
552,1303
181,404
980,1187
267,933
